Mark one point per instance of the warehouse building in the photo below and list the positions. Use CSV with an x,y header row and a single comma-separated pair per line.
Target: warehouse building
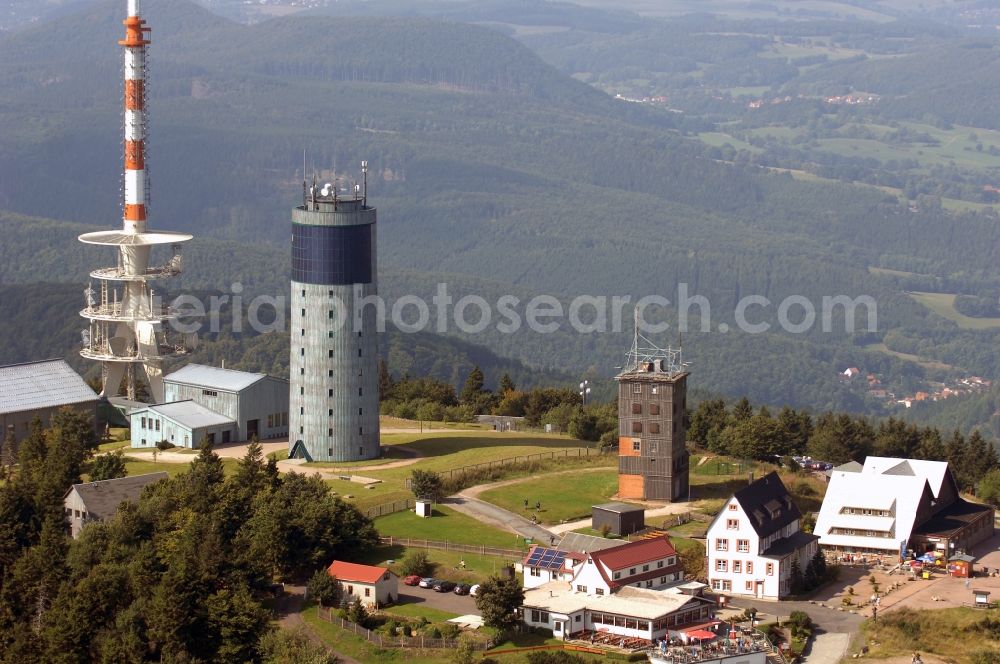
x,y
37,390
182,424
255,402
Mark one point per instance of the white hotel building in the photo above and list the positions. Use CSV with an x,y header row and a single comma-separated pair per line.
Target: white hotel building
x,y
753,541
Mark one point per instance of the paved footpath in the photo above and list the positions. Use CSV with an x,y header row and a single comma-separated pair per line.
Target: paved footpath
x,y
289,613
497,516
828,648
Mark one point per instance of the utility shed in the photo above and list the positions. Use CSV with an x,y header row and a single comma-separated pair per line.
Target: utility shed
x,y
97,501
255,402
39,389
621,518
182,423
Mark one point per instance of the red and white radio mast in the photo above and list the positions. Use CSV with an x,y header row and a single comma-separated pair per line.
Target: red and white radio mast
x,y
126,319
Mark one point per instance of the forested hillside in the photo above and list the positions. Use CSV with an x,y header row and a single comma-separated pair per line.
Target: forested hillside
x,y
497,173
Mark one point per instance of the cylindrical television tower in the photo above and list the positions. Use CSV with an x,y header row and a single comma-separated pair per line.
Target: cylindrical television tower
x,y
333,400
126,319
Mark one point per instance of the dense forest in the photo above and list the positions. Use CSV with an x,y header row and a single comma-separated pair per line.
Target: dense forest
x,y
180,576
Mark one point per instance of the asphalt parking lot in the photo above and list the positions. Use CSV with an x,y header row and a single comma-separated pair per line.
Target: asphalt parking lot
x,y
462,605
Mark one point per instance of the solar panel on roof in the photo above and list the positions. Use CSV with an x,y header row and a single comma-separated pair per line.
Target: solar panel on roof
x,y
546,558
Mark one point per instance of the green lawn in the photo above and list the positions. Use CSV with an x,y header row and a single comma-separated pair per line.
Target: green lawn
x,y
562,497
446,525
419,610
346,643
448,563
943,304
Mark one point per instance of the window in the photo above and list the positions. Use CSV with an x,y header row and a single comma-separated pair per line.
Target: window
x,y
659,564
649,583
637,389
157,425
368,592
302,332
727,584
360,411
721,565
733,507
732,524
212,393
599,591
359,392
770,569
144,423
636,445
656,390
329,392
631,571
749,585
645,568
329,353
359,352
618,575
302,410
654,409
535,571
577,618
722,545
663,579
743,546
737,567
637,409
539,616
637,427
329,413
654,427
303,312
270,421
329,373
329,432
581,589
749,567
350,590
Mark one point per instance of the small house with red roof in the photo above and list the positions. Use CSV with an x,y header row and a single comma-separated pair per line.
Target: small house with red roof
x,y
374,586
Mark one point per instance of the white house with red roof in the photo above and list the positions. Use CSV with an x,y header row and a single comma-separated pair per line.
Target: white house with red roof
x,y
374,586
635,590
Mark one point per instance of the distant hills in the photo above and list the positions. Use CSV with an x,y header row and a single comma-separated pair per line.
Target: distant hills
x,y
491,170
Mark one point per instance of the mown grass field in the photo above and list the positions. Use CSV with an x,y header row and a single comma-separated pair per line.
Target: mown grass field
x,y
563,497
448,564
446,525
943,304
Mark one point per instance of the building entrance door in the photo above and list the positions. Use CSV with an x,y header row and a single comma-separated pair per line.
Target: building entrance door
x,y
253,428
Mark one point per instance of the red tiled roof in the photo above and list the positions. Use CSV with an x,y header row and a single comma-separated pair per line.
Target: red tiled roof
x,y
355,572
635,553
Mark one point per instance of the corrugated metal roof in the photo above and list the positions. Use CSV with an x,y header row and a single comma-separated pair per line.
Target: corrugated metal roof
x,y
187,413
619,508
214,378
41,385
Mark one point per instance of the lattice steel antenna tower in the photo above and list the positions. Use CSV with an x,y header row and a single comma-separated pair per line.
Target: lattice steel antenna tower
x,y
126,320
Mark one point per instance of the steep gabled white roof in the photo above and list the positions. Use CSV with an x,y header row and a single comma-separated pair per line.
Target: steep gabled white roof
x,y
932,471
881,483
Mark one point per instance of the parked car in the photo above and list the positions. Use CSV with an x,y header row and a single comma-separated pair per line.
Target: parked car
x,y
474,590
412,580
462,589
427,582
444,586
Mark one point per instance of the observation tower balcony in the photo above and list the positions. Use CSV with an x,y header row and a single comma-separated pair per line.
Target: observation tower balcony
x,y
115,312
103,353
